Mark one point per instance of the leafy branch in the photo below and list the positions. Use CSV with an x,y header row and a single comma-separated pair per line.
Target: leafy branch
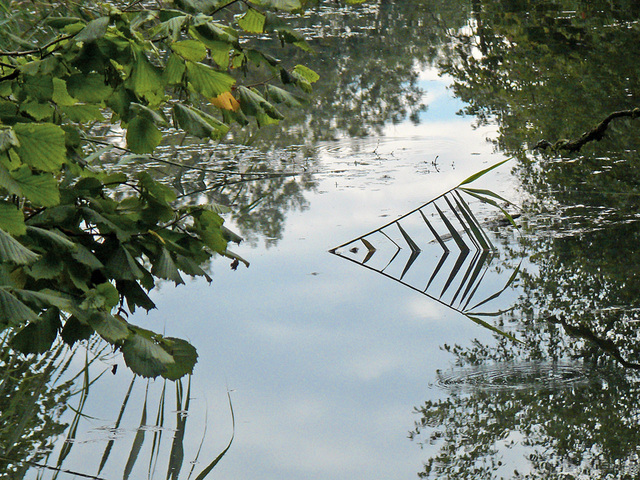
x,y
73,250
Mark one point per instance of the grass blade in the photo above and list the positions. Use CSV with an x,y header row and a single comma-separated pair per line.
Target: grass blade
x,y
370,250
479,264
107,450
481,322
73,429
157,434
454,233
479,174
473,223
494,203
210,467
466,276
454,271
412,259
176,457
138,440
412,245
486,193
433,231
463,223
497,294
437,269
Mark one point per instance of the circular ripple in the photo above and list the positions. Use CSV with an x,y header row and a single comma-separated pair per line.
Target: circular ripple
x,y
513,376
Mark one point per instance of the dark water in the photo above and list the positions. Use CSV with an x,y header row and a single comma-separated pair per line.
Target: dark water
x,y
379,360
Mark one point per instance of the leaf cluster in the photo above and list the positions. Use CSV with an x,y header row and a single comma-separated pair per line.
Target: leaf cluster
x,y
75,257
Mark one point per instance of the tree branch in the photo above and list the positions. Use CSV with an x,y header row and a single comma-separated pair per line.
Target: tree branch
x,y
596,133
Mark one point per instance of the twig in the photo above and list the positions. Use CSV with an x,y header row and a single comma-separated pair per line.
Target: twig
x,y
36,50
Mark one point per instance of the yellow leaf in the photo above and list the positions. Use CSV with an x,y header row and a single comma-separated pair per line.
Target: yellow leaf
x,y
226,101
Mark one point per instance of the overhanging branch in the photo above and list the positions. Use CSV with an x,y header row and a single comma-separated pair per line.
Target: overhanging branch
x,y
596,133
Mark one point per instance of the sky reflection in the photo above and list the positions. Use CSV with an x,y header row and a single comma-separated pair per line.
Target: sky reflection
x,y
324,360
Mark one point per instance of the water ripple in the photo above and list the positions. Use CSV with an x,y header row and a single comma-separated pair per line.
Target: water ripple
x,y
514,376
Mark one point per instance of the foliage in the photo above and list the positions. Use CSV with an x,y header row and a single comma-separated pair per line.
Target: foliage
x,y
30,407
77,254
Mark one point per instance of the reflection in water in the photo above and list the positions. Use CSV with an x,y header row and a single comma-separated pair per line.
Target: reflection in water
x,y
514,376
552,72
140,435
30,407
557,405
440,226
587,429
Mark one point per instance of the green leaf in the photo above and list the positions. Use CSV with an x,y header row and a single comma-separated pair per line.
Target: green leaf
x,y
89,88
198,123
103,297
280,95
45,298
82,113
145,79
148,113
122,266
40,189
158,191
60,93
12,219
174,70
38,335
286,5
85,257
13,312
184,357
94,30
213,31
38,111
74,331
306,73
479,174
13,251
39,87
219,52
252,21
252,103
208,81
190,267
142,135
53,238
104,224
110,328
48,266
144,355
135,295
294,37
8,139
192,50
42,145
172,26
164,267
60,22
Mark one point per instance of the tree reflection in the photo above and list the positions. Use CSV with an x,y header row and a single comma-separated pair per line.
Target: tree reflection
x,y
369,70
543,433
31,407
553,70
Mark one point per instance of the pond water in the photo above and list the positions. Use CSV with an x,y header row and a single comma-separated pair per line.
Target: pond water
x,y
358,363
